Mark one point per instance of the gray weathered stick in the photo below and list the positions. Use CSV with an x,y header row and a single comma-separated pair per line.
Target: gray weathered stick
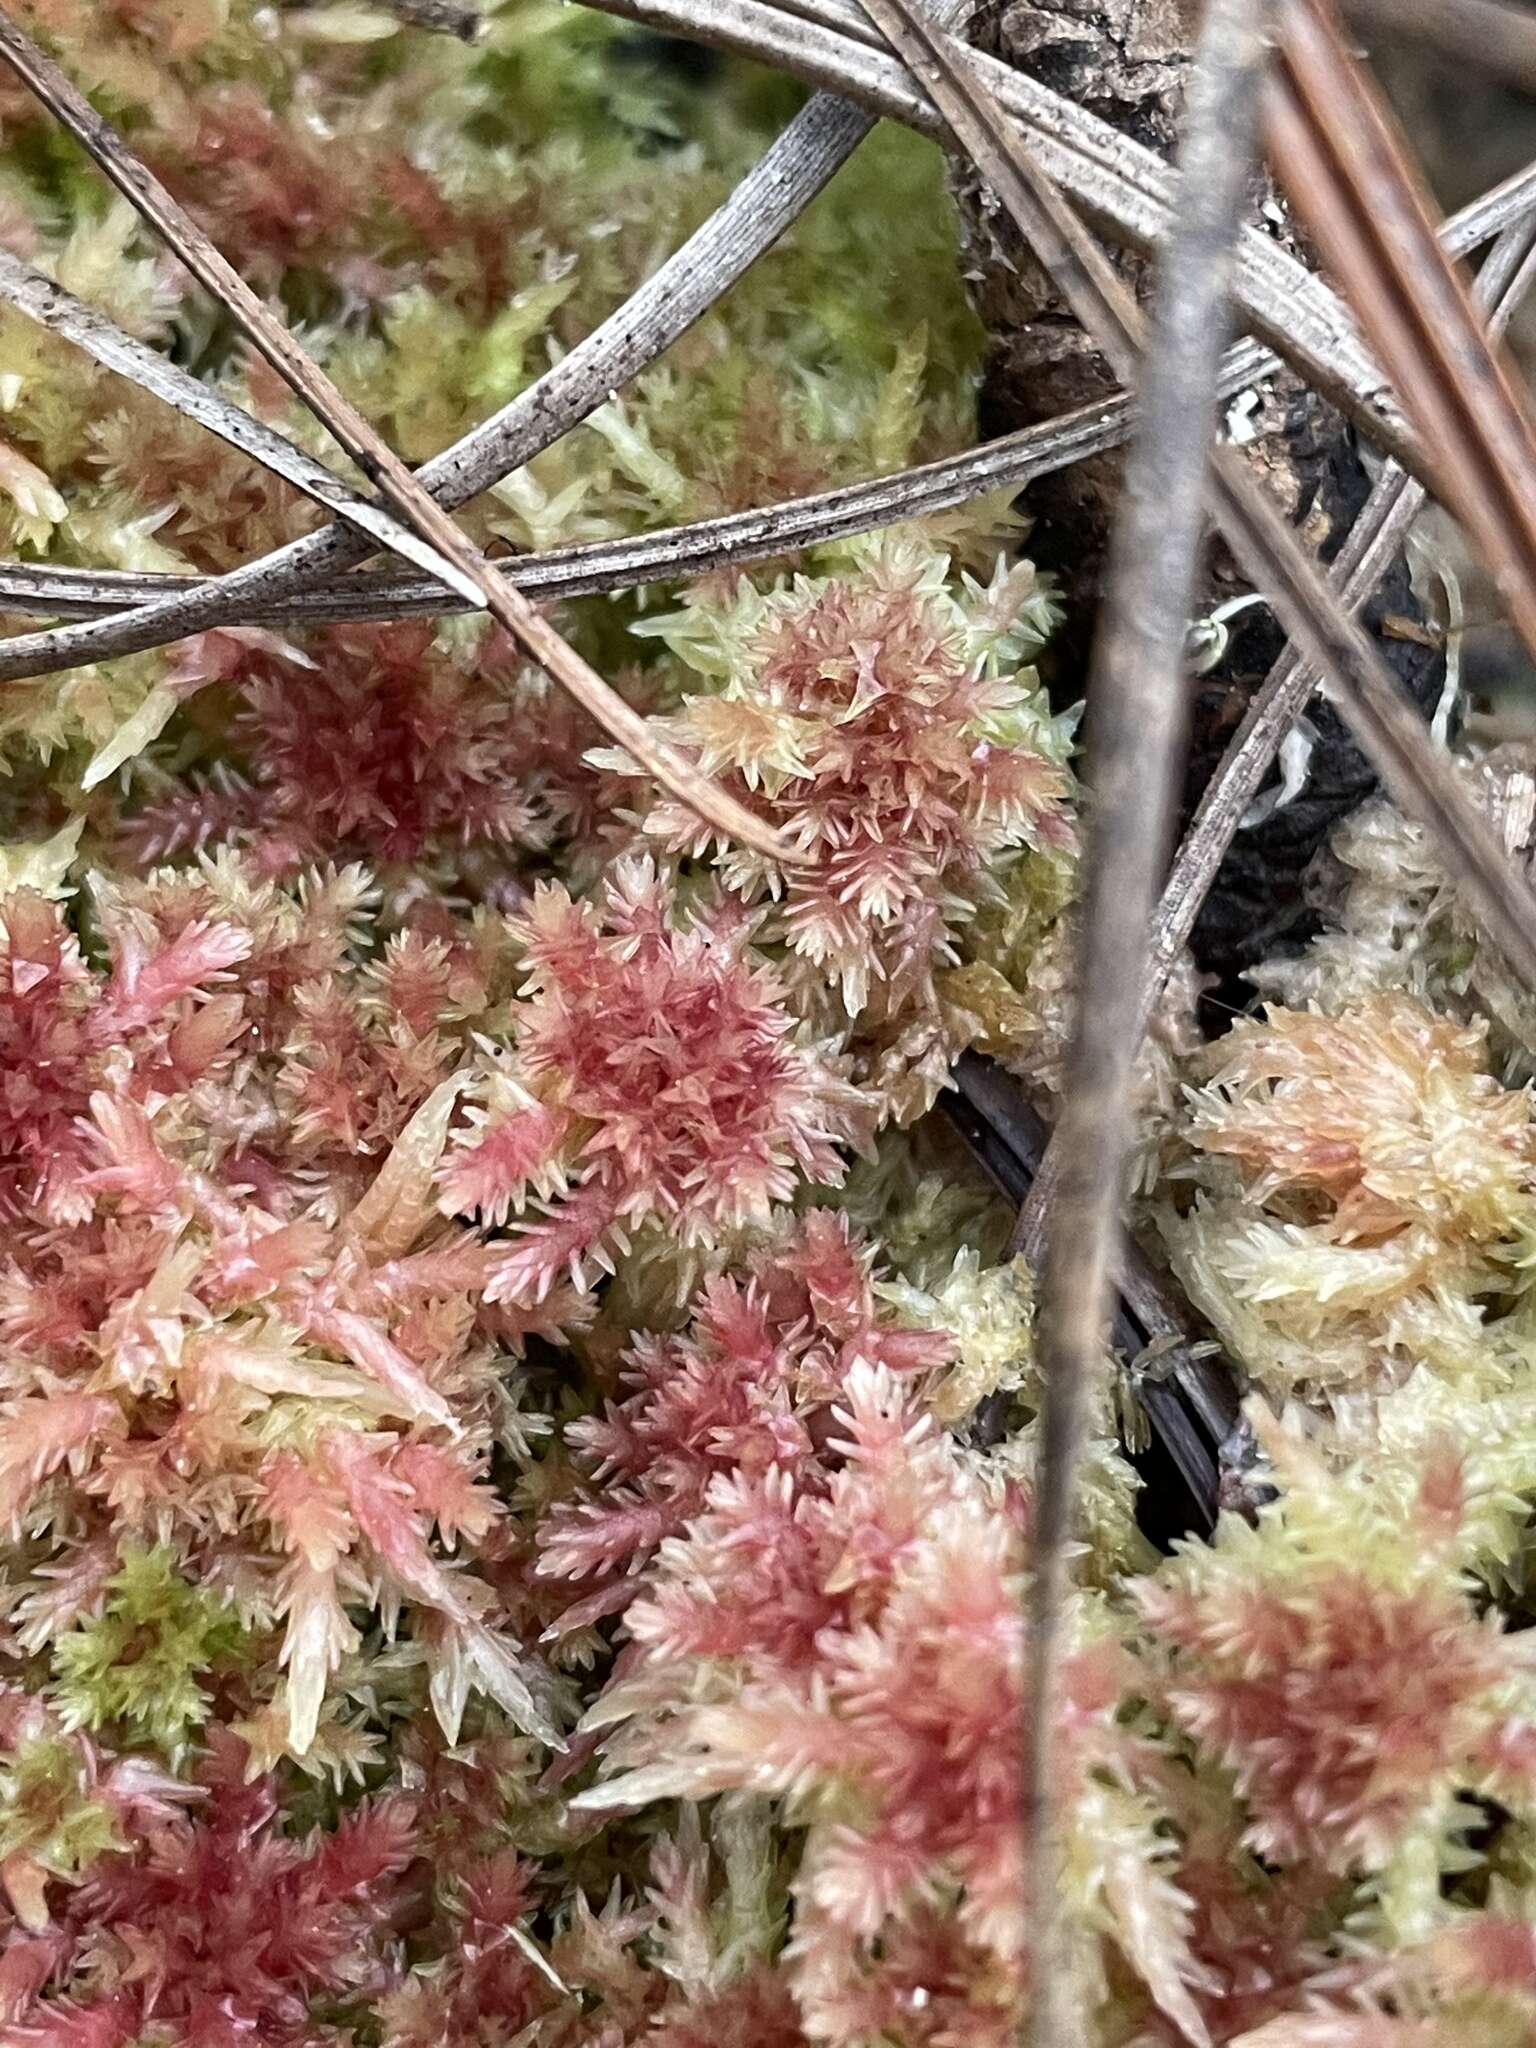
x,y
1135,740
1135,747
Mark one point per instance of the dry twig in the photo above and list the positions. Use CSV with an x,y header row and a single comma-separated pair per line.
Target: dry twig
x,y
1134,748
255,596
1335,150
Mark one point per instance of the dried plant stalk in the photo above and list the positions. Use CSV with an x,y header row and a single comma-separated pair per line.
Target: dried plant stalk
x,y
1080,1231
1134,749
1135,746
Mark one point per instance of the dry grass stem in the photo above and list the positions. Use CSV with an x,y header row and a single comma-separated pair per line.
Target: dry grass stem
x,y
1135,745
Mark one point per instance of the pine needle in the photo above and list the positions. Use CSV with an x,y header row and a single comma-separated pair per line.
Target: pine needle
x,y
448,552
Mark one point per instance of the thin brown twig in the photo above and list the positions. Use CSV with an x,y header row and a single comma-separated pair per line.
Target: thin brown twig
x,y
1495,39
463,563
1374,542
1336,151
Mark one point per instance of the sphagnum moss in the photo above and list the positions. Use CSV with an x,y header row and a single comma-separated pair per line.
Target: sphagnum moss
x,y
493,1543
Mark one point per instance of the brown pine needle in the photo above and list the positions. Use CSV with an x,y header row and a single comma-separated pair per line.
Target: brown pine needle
x,y
450,553
1338,154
